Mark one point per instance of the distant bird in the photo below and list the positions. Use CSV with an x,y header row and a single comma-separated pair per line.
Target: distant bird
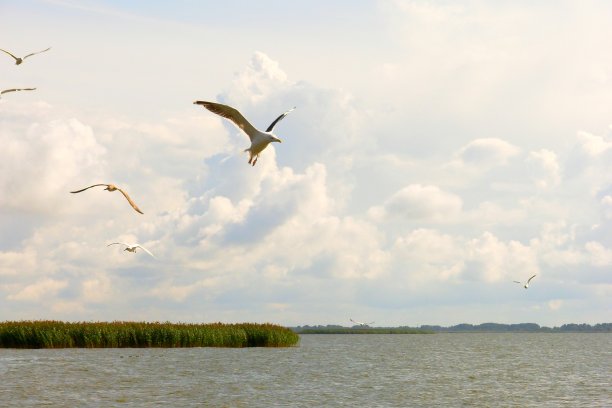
x,y
259,139
361,323
18,60
132,247
112,187
15,90
527,283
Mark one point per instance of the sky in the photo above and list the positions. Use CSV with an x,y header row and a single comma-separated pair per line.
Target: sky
x,y
439,150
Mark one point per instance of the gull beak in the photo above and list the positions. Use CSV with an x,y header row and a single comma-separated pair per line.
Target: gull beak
x,y
278,140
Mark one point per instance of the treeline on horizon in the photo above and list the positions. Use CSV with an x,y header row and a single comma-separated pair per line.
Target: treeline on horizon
x,y
459,328
332,329
57,334
522,327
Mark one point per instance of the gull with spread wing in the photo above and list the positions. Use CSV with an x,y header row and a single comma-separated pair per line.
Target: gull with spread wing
x,y
15,90
112,187
361,323
259,140
18,60
527,283
132,247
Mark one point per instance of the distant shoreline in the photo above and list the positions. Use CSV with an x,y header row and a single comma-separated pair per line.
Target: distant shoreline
x,y
460,328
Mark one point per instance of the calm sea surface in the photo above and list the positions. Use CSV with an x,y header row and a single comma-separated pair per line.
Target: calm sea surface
x,y
441,370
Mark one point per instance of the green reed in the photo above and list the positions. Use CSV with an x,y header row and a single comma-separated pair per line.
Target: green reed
x,y
56,334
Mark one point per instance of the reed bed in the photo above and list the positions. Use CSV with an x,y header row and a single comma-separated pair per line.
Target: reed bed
x,y
57,334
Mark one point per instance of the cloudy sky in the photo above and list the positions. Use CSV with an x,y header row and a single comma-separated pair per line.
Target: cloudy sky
x,y
439,151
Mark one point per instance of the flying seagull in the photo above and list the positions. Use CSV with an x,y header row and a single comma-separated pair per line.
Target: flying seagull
x,y
112,187
526,284
259,139
132,247
16,89
361,323
18,60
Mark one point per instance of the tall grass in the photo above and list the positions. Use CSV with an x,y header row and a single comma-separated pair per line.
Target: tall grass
x,y
56,334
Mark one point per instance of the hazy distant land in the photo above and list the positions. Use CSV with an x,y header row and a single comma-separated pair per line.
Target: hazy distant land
x,y
459,328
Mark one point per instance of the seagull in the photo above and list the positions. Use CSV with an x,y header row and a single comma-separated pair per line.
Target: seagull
x,y
259,139
18,60
526,284
132,247
16,89
361,323
112,187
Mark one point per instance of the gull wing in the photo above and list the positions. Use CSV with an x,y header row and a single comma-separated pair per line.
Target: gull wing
x,y
145,249
132,203
34,53
86,188
232,114
119,243
281,117
16,59
529,280
17,89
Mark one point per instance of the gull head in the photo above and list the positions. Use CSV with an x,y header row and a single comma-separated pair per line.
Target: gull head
x,y
269,138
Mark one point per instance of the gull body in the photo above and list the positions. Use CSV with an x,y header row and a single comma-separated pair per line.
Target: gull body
x,y
19,60
362,324
259,140
132,247
526,285
15,90
112,187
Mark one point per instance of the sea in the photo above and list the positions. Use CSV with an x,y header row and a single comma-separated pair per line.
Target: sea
x,y
324,370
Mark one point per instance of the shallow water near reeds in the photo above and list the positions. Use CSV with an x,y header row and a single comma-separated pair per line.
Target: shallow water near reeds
x,y
483,370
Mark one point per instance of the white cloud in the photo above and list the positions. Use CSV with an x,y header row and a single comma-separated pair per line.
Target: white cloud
x,y
555,304
355,211
598,254
258,81
13,263
485,153
97,289
43,288
549,163
41,158
420,203
593,145
429,255
606,204
494,260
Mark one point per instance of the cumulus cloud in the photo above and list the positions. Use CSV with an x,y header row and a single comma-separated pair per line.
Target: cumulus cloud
x,y
598,254
418,202
261,78
485,153
555,304
593,145
41,158
435,256
43,288
317,212
493,260
548,162
430,254
606,204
